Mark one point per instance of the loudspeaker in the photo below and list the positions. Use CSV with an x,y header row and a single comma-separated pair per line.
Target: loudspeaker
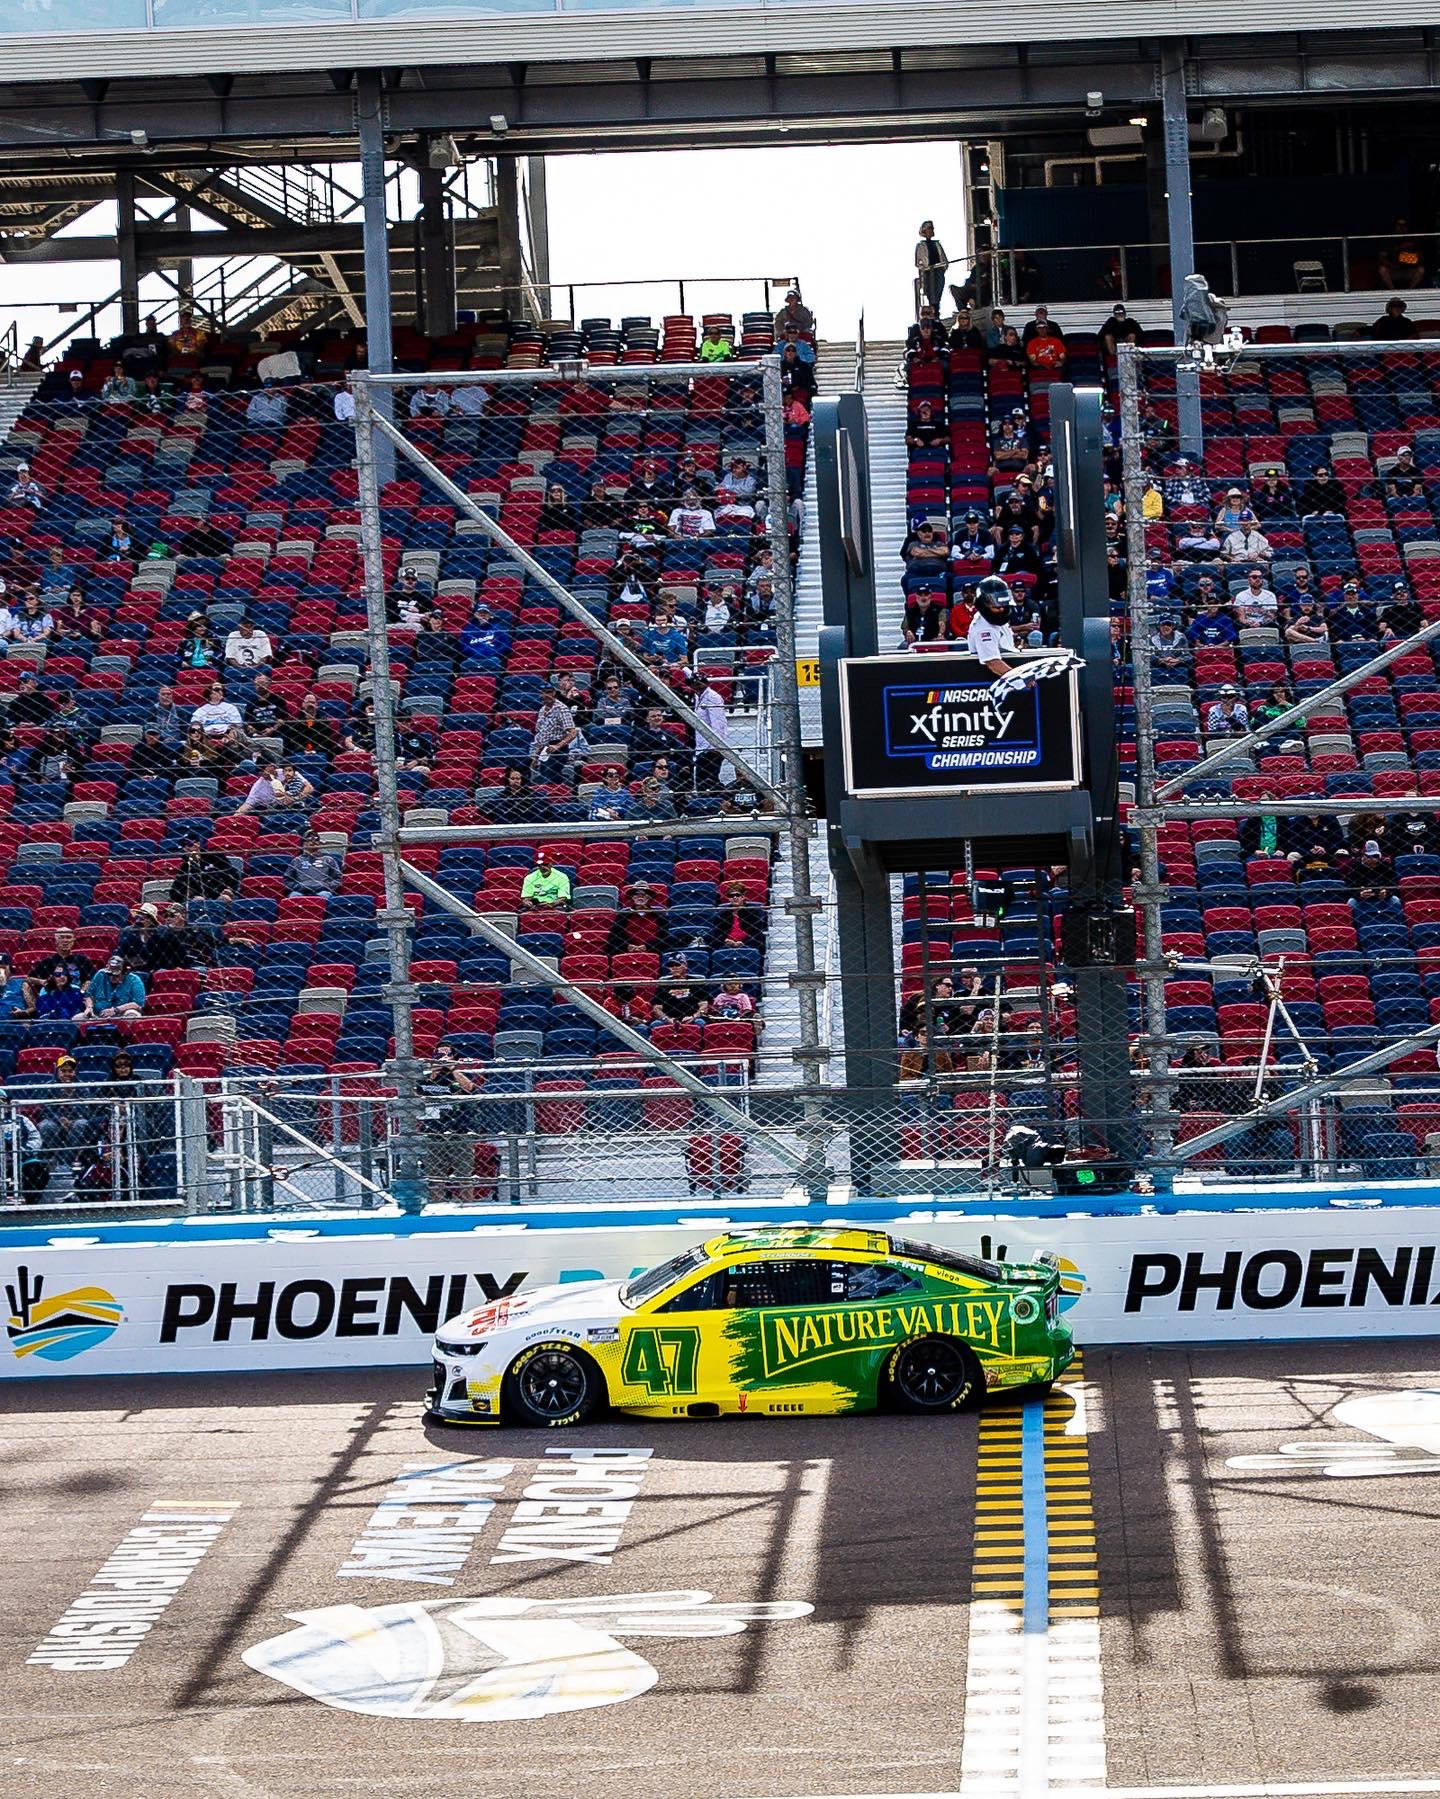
x,y
1097,939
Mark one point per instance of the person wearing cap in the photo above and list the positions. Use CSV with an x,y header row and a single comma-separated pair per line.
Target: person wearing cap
x,y
115,991
1212,625
739,921
1227,715
203,874
1271,498
219,719
1045,349
120,388
679,995
973,544
794,313
654,800
1371,875
1197,542
1227,516
925,432
691,518
545,888
1352,621
1256,604
1400,616
1185,485
1322,493
1246,543
68,1126
1305,623
25,490
715,346
1168,649
59,996
1400,474
314,869
30,705
1118,329
611,799
146,944
247,647
1160,582
482,639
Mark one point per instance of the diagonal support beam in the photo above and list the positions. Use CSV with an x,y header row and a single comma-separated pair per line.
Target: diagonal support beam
x,y
342,288
597,1014
1229,751
1287,1102
557,591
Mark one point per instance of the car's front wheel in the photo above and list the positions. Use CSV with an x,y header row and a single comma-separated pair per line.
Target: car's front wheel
x,y
933,1374
552,1384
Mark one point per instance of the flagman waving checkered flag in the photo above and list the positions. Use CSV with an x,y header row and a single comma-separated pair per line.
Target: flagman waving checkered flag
x,y
1042,668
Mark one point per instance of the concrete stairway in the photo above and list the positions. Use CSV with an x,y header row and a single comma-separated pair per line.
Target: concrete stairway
x,y
14,398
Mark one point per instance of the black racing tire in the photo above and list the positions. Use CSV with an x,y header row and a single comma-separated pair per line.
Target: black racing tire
x,y
933,1375
552,1385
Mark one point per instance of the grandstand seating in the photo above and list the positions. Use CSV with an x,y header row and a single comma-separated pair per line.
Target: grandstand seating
x,y
262,519
1359,968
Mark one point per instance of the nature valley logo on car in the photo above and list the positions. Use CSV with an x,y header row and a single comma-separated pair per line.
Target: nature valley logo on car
x,y
792,1339
64,1325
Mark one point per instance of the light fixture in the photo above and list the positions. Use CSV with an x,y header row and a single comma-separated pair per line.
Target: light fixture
x,y
1140,120
499,124
140,139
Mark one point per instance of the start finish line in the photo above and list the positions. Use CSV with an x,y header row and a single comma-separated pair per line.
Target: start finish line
x,y
352,1293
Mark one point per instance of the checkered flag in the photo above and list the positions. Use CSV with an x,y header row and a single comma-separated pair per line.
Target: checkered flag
x,y
1042,668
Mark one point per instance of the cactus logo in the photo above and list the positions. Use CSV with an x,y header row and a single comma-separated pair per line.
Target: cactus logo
x,y
64,1325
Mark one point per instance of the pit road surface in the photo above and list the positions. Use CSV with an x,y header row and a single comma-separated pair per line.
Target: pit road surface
x,y
1268,1623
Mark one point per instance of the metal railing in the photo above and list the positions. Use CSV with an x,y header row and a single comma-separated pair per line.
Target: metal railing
x,y
1016,275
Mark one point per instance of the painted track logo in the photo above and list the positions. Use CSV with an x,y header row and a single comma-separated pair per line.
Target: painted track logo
x,y
1072,1281
492,1660
64,1325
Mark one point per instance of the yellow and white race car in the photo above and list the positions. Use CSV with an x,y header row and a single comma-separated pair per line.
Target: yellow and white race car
x,y
784,1321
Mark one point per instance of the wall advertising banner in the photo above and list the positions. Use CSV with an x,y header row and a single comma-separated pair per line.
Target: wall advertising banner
x,y
944,724
334,1301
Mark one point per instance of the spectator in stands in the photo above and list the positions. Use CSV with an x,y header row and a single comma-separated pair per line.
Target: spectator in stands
x,y
195,400
449,1138
1160,582
1020,557
167,719
931,263
198,648
925,431
995,330
733,1002
1255,604
246,647
203,874
963,333
57,576
1353,620
794,314
115,992
1393,326
739,922
925,342
1010,350
308,734
1168,649
973,544
275,788
146,944
66,956
469,399
266,711
1118,329
613,707
81,619
919,1061
1401,616
924,553
17,997
188,339
557,514
1227,518
655,799
709,705
715,346
59,996
1401,262
545,888
154,399
1322,493
1246,543
30,706
1212,625
219,719
1312,843
268,407
120,389
32,623
640,923
483,639
195,944
429,401
557,742
1040,325
611,799
1185,486
25,490
691,518
1011,450
1371,876
343,405
796,375
1306,621
1197,542
1401,473
1271,498
314,869
679,996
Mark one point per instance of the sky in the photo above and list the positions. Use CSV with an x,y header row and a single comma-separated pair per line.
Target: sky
x,y
842,218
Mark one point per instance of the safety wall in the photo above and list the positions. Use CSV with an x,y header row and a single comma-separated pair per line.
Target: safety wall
x,y
353,1297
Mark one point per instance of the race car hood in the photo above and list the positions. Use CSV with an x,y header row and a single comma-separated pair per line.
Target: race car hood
x,y
567,1303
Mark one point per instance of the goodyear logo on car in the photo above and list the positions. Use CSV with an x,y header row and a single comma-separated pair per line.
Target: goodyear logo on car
x,y
61,1326
792,1339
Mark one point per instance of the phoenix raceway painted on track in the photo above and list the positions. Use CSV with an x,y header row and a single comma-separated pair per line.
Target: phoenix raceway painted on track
x,y
1204,1572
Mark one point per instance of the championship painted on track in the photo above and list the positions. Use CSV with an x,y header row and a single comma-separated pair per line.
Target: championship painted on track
x,y
1145,1585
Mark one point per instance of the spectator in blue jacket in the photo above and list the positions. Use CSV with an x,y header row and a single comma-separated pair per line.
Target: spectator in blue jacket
x,y
1212,626
482,636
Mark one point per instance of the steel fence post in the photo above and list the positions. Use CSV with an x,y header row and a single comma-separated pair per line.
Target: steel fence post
x,y
1149,893
804,903
407,1179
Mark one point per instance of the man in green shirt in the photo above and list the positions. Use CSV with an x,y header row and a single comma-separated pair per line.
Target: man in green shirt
x,y
546,886
714,346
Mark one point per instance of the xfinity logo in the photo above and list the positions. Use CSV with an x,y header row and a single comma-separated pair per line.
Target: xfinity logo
x,y
960,711
1266,1280
359,1306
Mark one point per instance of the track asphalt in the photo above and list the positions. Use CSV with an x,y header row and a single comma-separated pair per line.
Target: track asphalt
x,y
758,1607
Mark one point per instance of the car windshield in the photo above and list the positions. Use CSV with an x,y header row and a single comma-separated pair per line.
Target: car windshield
x,y
656,1280
976,1266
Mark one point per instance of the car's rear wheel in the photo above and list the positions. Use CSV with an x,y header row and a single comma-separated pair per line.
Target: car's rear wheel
x,y
552,1384
933,1374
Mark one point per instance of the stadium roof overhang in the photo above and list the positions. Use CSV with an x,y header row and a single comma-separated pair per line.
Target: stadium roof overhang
x,y
80,100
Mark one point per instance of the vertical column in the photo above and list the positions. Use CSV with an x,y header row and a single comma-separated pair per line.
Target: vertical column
x,y
129,261
436,264
507,217
379,351
1181,231
538,210
184,271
